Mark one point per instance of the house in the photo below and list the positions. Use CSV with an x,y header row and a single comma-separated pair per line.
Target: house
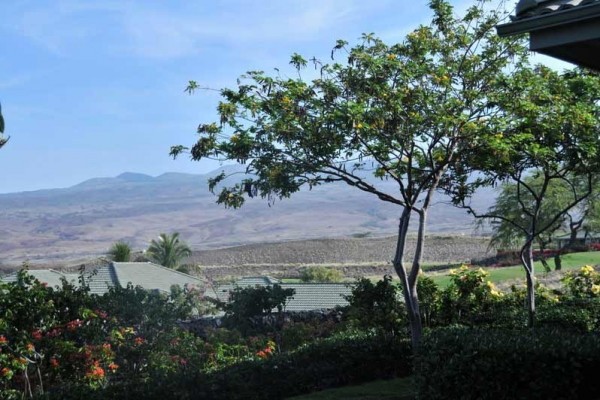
x,y
582,239
50,277
147,275
565,29
307,297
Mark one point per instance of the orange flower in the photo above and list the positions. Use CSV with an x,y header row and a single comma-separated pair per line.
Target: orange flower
x,y
139,340
95,372
262,354
30,347
5,371
113,367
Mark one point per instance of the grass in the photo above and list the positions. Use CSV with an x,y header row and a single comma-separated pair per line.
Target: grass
x,y
394,389
498,274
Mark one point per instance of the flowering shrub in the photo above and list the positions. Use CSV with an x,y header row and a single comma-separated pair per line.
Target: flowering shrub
x,y
60,339
584,283
469,297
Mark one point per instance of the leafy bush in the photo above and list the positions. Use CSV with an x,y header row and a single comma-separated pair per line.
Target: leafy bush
x,y
249,302
462,363
337,361
470,298
320,274
377,306
68,341
584,283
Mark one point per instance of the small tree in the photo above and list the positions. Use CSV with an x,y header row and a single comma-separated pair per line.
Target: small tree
x,y
549,139
120,252
396,113
510,202
168,250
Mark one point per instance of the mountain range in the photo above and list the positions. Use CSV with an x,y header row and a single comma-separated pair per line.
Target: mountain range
x,y
50,227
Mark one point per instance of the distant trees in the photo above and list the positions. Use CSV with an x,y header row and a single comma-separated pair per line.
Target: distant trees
x,y
168,250
120,252
400,113
320,274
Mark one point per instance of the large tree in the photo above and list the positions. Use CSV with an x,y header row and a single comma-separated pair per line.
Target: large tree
x,y
548,141
395,112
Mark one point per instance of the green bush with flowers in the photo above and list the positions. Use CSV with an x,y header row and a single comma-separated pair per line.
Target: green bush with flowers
x,y
469,299
584,283
65,340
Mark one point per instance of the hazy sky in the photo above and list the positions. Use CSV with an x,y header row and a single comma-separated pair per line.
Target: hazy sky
x,y
94,88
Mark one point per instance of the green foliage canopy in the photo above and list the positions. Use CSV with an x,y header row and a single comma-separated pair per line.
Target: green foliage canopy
x,y
120,252
399,112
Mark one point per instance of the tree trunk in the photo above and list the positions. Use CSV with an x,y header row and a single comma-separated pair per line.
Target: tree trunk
x,y
527,261
410,291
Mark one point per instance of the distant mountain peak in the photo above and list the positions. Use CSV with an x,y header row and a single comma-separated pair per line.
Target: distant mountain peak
x,y
134,177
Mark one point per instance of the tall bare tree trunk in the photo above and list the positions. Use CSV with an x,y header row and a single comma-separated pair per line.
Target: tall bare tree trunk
x,y
527,261
410,290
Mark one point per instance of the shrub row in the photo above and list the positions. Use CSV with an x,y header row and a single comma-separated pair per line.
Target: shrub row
x,y
462,363
337,361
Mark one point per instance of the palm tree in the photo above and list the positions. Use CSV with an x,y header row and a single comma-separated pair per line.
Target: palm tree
x,y
168,250
120,252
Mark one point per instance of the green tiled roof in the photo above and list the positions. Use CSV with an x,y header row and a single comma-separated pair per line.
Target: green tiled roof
x,y
308,296
147,275
49,276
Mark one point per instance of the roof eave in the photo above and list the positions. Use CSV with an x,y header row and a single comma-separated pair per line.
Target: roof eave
x,y
557,18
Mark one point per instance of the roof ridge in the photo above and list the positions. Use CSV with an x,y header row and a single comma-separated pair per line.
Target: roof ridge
x,y
162,267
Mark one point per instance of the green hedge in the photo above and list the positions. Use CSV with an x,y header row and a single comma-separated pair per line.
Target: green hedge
x,y
459,363
337,361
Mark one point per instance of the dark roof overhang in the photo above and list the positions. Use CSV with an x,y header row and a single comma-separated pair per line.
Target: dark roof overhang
x,y
570,34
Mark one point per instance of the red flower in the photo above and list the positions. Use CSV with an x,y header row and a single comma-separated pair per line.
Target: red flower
x,y
139,340
3,340
36,335
73,325
54,333
54,362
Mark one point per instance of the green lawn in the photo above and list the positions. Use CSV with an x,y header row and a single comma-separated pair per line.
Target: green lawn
x,y
394,389
569,262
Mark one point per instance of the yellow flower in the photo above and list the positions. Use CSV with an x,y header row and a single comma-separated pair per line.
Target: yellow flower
x,y
596,289
587,270
359,125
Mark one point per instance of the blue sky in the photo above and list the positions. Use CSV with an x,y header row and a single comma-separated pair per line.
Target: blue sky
x,y
94,88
